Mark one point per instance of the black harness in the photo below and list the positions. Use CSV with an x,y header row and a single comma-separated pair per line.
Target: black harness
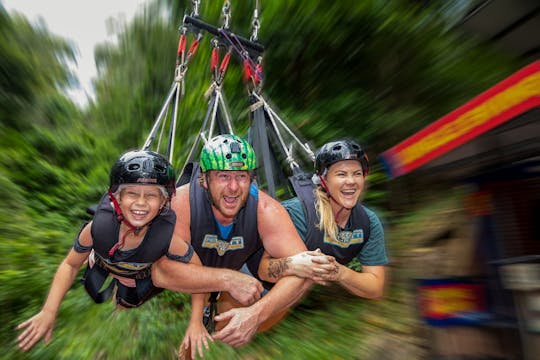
x,y
359,221
204,230
350,240
135,263
242,242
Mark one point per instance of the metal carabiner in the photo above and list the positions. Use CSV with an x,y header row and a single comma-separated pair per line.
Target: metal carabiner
x,y
226,11
196,4
256,24
180,72
255,33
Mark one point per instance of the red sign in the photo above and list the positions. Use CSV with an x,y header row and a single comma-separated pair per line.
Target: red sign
x,y
504,101
451,301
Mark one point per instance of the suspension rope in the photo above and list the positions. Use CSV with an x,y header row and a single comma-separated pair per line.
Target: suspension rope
x,y
275,120
253,71
268,125
177,91
236,44
217,107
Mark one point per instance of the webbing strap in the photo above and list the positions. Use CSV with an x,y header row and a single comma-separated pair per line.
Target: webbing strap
x,y
210,313
176,93
262,148
93,280
185,176
302,185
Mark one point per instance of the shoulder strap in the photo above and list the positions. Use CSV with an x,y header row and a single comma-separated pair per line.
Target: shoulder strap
x,y
189,173
303,188
365,221
93,280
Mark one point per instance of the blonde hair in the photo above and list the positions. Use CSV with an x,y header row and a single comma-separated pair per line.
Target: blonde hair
x,y
327,222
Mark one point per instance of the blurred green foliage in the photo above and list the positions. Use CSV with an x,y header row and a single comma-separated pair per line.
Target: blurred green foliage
x,y
373,70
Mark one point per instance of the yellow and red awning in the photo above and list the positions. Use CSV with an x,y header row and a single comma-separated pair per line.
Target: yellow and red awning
x,y
511,97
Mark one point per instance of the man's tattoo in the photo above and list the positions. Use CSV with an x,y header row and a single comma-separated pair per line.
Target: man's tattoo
x,y
277,267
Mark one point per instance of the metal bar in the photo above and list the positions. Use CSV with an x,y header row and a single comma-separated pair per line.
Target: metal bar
x,y
289,158
226,113
172,133
200,135
215,104
155,127
254,46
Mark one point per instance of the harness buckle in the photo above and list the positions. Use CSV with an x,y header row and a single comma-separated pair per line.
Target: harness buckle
x,y
209,313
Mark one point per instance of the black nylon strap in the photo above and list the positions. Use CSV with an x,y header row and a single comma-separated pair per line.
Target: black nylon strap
x,y
77,245
134,297
210,313
93,280
182,258
262,147
80,248
303,188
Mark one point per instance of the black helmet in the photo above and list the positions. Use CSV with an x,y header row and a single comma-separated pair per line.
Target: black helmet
x,y
335,151
143,167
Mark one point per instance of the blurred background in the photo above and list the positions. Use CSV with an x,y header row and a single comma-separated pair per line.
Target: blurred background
x,y
461,218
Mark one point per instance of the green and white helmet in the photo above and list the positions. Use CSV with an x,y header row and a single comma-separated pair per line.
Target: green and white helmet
x,y
227,152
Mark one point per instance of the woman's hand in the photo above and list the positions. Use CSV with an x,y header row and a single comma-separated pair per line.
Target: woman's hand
x,y
195,338
313,265
331,272
41,324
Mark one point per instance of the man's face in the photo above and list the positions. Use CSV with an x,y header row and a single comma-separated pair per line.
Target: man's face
x,y
229,190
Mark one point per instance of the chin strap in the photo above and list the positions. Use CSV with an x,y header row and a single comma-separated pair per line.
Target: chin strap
x,y
319,180
207,189
120,217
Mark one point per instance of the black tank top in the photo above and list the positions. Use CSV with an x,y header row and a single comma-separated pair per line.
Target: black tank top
x,y
213,250
105,229
350,240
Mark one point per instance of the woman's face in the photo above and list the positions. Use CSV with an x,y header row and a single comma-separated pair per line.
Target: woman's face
x,y
140,204
345,181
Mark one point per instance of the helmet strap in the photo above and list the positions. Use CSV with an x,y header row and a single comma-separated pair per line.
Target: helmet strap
x,y
120,217
324,185
207,190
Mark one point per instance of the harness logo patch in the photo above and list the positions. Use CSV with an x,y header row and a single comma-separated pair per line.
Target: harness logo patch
x,y
346,238
212,242
121,268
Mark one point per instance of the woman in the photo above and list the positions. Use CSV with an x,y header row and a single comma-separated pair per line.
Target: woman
x,y
132,227
333,222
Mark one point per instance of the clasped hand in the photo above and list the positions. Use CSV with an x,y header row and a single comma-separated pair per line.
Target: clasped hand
x,y
315,265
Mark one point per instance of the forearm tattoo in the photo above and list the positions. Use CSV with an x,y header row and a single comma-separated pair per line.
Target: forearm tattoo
x,y
276,267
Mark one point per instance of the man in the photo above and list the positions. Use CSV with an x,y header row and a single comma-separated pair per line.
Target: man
x,y
227,219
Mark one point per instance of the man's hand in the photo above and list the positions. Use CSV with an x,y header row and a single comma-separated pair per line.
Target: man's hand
x,y
243,288
243,323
